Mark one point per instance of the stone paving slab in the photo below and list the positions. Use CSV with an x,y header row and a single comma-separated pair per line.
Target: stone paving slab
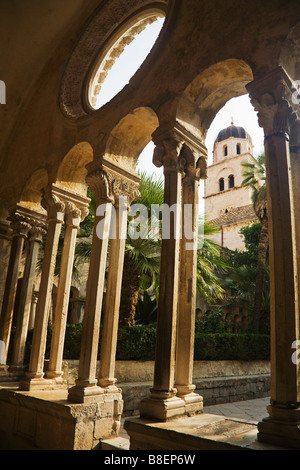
x,y
250,410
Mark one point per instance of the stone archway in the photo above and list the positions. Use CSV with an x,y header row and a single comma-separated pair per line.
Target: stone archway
x,y
209,92
72,171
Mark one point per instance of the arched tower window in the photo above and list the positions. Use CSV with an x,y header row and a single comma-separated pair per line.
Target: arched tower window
x,y
225,150
221,184
231,181
238,149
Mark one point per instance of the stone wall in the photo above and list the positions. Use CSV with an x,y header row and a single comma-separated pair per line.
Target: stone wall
x,y
217,381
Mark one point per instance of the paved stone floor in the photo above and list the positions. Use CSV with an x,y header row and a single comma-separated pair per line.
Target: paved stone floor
x,y
249,410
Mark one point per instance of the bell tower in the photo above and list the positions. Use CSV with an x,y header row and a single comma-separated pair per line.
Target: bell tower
x,y
228,204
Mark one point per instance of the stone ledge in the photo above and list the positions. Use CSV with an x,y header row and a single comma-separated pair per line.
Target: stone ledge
x,y
201,432
215,390
46,420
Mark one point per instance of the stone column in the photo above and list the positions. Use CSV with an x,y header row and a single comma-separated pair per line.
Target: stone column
x,y
295,203
33,309
20,229
126,194
55,218
163,403
5,246
86,389
72,221
271,96
194,168
34,240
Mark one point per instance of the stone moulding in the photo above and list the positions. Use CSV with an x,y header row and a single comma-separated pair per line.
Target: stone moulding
x,y
113,23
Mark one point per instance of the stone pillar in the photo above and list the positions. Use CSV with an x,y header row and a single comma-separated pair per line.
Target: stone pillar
x,y
73,217
295,203
194,169
126,194
34,240
55,218
20,229
33,309
86,389
271,96
5,246
163,403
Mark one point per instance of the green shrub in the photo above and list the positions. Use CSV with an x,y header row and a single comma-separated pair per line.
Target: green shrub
x,y
231,346
72,341
138,343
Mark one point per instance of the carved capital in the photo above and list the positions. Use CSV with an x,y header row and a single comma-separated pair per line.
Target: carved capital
x,y
19,223
37,231
166,154
179,150
20,226
72,214
108,186
98,181
271,97
193,166
52,204
123,188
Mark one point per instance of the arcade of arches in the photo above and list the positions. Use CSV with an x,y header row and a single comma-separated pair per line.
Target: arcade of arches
x,y
54,145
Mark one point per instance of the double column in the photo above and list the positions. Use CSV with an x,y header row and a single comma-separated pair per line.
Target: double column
x,y
20,228
66,208
35,234
114,191
182,170
271,97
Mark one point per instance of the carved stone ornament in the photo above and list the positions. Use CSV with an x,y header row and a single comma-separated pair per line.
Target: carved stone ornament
x,y
20,225
109,187
271,97
37,231
192,166
123,188
103,39
166,154
98,181
51,203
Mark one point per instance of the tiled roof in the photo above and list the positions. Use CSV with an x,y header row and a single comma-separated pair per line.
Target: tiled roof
x,y
234,216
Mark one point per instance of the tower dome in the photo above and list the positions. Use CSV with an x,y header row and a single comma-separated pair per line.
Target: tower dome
x,y
237,132
232,131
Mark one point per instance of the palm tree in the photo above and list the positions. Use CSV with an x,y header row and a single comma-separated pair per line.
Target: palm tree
x,y
210,264
142,255
255,178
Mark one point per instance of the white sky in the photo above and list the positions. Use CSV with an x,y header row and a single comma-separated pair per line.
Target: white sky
x,y
239,110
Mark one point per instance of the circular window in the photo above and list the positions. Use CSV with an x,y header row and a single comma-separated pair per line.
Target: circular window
x,y
123,58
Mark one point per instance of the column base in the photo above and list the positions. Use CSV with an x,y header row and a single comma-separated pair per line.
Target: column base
x,y
193,403
8,375
85,392
39,383
162,409
281,428
4,369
